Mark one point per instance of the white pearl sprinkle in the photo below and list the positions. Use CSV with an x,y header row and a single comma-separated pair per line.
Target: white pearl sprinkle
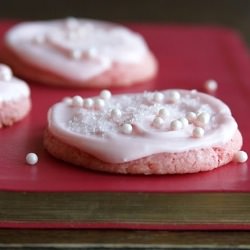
x,y
184,121
76,54
92,52
176,125
39,39
158,122
99,103
211,86
88,103
194,91
158,97
5,72
163,113
202,119
116,113
31,158
240,156
67,100
191,116
126,128
72,35
174,96
71,22
198,132
77,101
105,94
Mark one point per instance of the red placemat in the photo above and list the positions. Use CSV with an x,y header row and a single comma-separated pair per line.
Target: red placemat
x,y
187,57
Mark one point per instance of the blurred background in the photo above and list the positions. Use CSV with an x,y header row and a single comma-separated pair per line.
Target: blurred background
x,y
229,13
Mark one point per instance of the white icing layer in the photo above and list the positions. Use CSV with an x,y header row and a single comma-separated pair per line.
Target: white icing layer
x,y
77,49
101,132
13,90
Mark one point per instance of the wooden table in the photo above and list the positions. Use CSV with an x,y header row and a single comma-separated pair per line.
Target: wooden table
x,y
122,239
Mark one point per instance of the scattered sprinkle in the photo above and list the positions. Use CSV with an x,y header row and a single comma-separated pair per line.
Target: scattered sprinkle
x,y
158,97
88,103
198,132
191,116
240,156
5,73
116,113
174,96
99,103
77,101
184,122
163,113
76,54
157,122
31,158
127,128
203,119
211,86
105,94
176,125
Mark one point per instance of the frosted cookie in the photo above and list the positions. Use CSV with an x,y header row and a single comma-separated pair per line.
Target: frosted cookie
x,y
15,100
168,132
79,52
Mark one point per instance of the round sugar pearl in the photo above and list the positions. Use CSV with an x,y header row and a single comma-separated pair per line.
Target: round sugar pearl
x,y
71,22
5,72
77,101
67,100
240,156
31,158
163,113
99,103
191,116
158,97
203,118
157,122
127,128
105,94
76,54
210,86
198,132
39,39
174,96
92,52
184,121
116,113
88,103
176,125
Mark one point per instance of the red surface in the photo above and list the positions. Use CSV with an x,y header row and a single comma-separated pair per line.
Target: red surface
x,y
187,56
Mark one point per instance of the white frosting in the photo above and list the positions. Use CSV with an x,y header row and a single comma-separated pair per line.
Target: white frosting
x,y
101,132
13,89
77,49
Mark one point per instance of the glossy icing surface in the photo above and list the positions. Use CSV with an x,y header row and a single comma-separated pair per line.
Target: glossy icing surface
x,y
127,127
11,88
70,46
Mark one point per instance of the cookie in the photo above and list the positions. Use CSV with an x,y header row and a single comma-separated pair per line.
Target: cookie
x,y
79,53
168,132
15,101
